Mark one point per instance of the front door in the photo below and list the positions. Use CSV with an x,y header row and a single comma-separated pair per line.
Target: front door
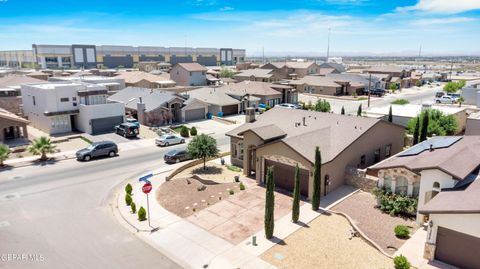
x,y
9,133
253,162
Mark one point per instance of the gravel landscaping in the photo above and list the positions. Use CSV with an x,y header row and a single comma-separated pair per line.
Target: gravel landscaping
x,y
378,226
325,243
183,197
215,172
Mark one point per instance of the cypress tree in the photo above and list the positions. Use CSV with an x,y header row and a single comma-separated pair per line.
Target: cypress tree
x,y
269,204
296,196
416,132
359,111
390,115
424,130
317,171
343,111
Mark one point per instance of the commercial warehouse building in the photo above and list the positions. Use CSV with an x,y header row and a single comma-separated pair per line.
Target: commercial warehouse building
x,y
92,56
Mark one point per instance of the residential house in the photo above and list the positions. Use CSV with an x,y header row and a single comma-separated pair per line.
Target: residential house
x,y
292,70
267,93
113,84
155,107
339,68
319,85
283,137
189,74
10,93
392,75
65,107
258,74
219,102
12,126
145,80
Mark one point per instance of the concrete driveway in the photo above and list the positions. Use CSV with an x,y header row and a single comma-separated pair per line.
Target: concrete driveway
x,y
241,215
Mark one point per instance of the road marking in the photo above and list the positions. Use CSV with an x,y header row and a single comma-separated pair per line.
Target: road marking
x,y
4,224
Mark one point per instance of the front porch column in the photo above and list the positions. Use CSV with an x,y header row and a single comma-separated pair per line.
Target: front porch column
x,y
394,185
310,185
410,189
381,182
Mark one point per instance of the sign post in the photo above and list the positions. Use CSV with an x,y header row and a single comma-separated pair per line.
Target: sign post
x,y
146,189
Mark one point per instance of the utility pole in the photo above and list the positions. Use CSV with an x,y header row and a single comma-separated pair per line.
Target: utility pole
x,y
420,52
185,45
369,87
263,55
451,69
328,45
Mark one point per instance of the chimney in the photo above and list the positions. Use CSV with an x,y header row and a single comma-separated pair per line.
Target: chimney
x,y
140,100
141,112
249,114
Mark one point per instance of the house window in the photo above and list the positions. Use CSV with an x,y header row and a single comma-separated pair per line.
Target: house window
x,y
362,160
376,155
64,99
388,150
190,73
33,99
74,98
240,150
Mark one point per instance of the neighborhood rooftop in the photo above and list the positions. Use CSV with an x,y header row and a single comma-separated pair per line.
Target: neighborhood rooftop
x,y
152,98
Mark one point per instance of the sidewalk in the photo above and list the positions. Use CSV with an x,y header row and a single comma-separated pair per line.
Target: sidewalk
x,y
193,247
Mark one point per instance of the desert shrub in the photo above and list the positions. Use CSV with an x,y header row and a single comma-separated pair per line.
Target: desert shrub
x,y
400,102
128,199
193,131
242,187
133,206
231,192
184,131
402,231
128,189
234,168
400,262
396,204
142,214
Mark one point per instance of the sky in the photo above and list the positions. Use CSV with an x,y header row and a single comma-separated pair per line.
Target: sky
x,y
281,27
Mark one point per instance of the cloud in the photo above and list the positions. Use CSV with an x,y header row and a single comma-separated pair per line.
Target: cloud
x,y
442,6
439,21
226,8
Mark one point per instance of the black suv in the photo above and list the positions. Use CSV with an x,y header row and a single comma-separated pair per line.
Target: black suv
x,y
377,92
176,156
97,149
127,129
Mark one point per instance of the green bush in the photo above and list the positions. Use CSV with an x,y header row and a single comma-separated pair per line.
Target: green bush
x,y
128,189
439,124
193,131
231,192
128,199
396,204
242,187
133,206
400,102
402,231
234,168
184,131
400,262
142,214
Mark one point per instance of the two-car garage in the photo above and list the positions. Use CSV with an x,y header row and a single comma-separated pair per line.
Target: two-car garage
x,y
284,175
458,249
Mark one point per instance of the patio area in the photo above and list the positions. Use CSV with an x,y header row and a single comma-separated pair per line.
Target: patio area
x,y
377,225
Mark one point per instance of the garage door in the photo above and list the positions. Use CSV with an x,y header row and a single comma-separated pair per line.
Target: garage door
x,y
284,176
195,114
230,110
457,249
103,125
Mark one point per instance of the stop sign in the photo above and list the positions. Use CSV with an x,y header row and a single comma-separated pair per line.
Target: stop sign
x,y
147,188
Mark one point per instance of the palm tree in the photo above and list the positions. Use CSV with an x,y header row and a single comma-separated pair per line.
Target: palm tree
x,y
42,146
460,101
4,152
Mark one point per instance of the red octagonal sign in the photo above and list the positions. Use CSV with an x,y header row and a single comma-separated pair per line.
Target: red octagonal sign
x,y
147,188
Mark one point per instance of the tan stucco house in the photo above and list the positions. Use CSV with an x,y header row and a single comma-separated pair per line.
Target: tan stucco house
x,y
12,126
284,137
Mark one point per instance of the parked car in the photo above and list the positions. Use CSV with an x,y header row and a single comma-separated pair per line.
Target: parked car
x,y
127,129
287,105
445,100
377,92
176,156
455,96
133,120
97,149
439,94
167,140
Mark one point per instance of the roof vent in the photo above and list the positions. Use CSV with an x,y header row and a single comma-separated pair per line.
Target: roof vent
x,y
431,147
355,126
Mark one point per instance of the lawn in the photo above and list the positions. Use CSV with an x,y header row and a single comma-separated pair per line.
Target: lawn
x,y
325,243
400,102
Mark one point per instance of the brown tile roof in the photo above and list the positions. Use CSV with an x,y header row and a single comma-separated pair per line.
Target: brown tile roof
x,y
455,202
137,76
333,133
315,81
386,69
457,160
255,88
16,80
193,67
267,132
10,116
258,73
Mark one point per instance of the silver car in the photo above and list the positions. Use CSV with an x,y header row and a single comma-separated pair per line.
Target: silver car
x,y
167,140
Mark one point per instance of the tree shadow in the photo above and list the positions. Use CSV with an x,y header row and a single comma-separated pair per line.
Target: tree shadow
x,y
277,241
210,170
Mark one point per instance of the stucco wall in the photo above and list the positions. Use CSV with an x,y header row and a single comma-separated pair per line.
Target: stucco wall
x,y
89,112
472,127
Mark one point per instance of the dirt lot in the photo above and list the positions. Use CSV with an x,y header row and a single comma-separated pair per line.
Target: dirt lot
x,y
377,225
325,243
215,172
181,196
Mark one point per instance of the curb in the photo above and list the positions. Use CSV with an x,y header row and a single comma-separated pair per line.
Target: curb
x,y
32,162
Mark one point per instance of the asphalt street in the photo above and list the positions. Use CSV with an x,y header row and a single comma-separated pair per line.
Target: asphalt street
x,y
60,215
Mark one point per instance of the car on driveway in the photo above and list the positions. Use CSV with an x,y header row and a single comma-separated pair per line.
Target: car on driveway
x,y
287,105
97,149
127,129
376,92
167,140
176,156
445,100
